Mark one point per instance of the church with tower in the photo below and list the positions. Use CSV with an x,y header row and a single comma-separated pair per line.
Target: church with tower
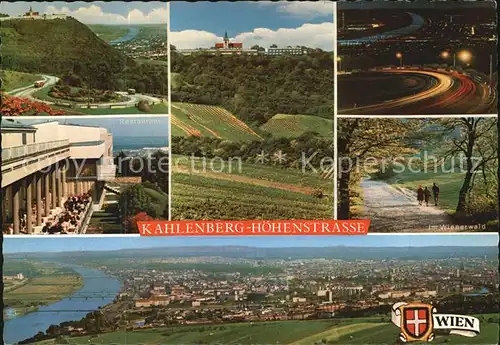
x,y
227,44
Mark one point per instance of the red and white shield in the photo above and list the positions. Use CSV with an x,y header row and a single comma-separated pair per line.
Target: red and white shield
x,y
417,321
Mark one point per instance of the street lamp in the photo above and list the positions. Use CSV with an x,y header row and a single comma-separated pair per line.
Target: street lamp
x,y
400,57
464,55
339,60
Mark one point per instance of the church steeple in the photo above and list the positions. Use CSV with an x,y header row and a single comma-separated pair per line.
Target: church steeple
x,y
226,41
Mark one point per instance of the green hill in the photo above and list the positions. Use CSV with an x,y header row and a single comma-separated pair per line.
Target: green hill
x,y
290,126
12,80
60,47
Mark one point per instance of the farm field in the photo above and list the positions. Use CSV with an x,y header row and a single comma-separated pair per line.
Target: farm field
x,y
289,126
352,331
205,120
12,80
43,284
388,334
280,332
249,192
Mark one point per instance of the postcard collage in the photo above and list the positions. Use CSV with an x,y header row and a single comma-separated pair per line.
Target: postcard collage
x,y
116,113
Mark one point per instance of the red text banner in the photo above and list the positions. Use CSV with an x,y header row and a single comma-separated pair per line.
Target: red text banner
x,y
253,227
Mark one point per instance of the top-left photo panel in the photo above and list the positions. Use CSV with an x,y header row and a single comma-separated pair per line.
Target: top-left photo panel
x,y
84,58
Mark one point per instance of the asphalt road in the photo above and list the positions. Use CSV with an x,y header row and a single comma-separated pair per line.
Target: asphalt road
x,y
132,100
395,210
449,93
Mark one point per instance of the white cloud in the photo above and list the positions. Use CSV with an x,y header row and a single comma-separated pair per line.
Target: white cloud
x,y
94,14
309,35
303,9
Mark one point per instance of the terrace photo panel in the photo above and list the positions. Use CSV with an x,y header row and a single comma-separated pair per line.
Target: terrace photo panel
x,y
252,110
84,58
83,175
417,57
243,290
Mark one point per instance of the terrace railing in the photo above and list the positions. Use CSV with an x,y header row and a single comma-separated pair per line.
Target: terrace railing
x,y
18,152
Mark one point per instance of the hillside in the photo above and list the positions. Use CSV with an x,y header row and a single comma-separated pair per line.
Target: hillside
x,y
257,87
12,80
372,330
59,47
211,121
290,126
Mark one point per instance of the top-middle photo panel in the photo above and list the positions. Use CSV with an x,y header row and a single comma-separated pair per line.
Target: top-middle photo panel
x,y
252,110
84,58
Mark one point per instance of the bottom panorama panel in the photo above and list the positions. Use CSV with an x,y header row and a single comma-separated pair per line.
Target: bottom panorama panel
x,y
246,290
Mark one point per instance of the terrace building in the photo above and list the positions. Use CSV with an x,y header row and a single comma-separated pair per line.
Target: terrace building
x,y
44,164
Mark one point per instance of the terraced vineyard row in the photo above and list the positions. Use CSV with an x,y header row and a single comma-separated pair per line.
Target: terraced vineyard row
x,y
284,125
209,121
249,195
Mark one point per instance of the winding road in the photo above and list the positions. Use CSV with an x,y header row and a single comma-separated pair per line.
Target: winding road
x,y
448,93
389,208
29,91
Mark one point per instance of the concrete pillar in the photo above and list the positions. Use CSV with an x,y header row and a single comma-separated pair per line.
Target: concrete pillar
x,y
8,196
38,196
4,205
59,188
94,193
16,207
53,191
78,187
29,203
63,184
46,177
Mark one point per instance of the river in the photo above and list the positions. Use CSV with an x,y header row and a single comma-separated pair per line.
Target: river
x,y
132,32
97,291
417,23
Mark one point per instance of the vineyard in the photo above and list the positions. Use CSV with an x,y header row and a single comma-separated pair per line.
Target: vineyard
x,y
205,120
250,191
289,126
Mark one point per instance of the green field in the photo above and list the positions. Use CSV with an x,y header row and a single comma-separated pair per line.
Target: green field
x,y
160,199
12,80
353,331
283,125
173,79
109,33
205,120
44,284
449,185
250,192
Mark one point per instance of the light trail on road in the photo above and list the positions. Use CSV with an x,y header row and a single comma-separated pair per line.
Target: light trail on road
x,y
451,92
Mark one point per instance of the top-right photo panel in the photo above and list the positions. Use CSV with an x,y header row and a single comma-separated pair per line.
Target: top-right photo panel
x,y
405,58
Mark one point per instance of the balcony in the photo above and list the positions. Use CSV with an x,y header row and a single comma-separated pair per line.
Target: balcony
x,y
21,161
19,152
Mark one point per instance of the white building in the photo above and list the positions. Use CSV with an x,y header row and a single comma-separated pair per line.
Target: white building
x,y
44,164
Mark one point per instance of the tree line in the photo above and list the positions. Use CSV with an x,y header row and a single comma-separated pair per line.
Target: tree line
x,y
257,87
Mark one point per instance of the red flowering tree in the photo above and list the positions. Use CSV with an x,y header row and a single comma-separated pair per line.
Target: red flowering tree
x,y
130,223
17,106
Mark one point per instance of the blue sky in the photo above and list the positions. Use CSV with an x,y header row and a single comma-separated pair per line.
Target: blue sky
x,y
51,244
202,24
237,17
125,126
